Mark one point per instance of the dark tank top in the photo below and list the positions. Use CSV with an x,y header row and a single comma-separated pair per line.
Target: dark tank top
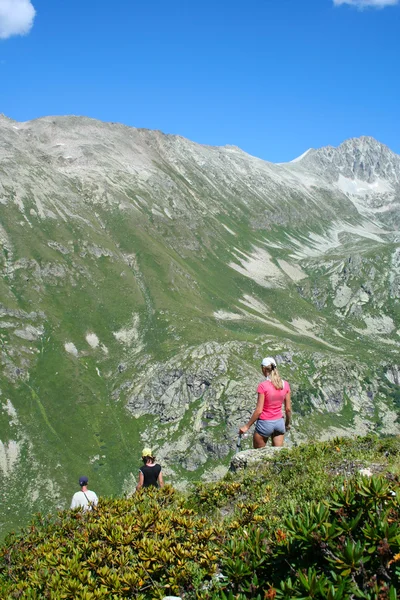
x,y
150,475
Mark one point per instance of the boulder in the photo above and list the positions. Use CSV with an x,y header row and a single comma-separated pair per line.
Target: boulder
x,y
251,458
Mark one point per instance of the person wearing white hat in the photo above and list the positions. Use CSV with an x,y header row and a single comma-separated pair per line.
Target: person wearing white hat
x,y
150,473
273,394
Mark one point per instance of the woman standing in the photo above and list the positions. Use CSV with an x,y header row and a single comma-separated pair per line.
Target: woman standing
x,y
150,473
272,394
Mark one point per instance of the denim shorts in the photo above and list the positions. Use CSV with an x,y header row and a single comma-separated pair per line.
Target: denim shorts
x,y
268,428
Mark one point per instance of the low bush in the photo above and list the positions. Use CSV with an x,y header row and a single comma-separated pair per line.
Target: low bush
x,y
294,528
143,547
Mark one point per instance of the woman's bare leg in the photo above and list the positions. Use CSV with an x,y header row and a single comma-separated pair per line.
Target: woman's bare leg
x,y
259,441
277,440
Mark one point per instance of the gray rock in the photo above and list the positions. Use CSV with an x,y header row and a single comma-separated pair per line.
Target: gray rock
x,y
251,458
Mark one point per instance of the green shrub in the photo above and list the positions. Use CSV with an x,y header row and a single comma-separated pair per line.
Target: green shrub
x,y
122,550
345,547
296,527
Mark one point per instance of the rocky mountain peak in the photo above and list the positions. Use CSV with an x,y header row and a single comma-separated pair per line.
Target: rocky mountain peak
x,y
362,158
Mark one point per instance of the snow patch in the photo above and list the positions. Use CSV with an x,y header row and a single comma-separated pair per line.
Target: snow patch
x,y
293,271
156,211
229,230
316,245
262,309
130,335
255,304
92,340
227,316
357,187
302,327
71,348
259,267
295,160
12,413
306,328
9,455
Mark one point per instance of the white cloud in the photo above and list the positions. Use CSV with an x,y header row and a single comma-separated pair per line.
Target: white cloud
x,y
366,3
16,17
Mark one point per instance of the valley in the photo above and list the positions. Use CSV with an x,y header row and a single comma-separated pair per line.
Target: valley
x,y
144,277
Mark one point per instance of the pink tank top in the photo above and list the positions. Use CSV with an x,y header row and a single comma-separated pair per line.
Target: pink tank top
x,y
273,400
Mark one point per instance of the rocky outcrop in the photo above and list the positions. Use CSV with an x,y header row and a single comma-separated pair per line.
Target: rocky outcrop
x,y
251,458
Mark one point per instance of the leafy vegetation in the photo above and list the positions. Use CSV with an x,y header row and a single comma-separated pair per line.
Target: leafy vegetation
x,y
306,524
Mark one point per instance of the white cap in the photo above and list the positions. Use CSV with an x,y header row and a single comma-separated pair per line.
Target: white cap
x,y
266,362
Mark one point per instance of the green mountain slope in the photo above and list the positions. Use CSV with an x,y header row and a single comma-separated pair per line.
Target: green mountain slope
x,y
144,278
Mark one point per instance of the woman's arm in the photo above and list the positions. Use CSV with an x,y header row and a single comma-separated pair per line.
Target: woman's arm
x,y
288,410
255,415
160,480
141,481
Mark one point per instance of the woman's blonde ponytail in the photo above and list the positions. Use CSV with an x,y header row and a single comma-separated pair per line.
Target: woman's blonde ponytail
x,y
275,378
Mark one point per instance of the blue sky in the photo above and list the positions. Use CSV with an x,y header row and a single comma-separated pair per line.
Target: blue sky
x,y
274,77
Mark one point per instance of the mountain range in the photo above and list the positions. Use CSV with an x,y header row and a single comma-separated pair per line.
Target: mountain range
x,y
144,277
